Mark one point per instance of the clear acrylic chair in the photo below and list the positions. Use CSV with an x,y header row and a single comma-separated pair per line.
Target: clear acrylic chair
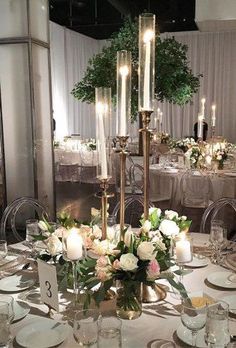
x,y
11,211
214,210
195,189
136,174
133,209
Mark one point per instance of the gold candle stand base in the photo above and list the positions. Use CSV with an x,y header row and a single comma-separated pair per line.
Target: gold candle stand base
x,y
153,293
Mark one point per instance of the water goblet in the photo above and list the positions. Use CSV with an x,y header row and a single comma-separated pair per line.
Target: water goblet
x,y
5,335
109,332
10,301
217,325
193,318
85,328
3,249
218,238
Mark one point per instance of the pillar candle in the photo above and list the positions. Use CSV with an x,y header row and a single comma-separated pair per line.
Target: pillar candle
x,y
74,244
148,36
213,117
203,107
124,72
101,108
200,126
183,251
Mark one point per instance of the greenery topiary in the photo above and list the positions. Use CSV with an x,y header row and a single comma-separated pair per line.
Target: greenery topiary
x,y
174,80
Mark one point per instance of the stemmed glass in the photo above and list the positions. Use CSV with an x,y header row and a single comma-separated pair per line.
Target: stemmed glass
x,y
32,230
73,250
217,325
193,318
5,319
218,238
3,249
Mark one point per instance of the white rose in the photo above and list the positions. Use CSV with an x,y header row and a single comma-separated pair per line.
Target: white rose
x,y
183,217
111,233
219,157
146,226
97,232
54,245
160,245
42,225
103,247
60,231
146,251
171,214
129,234
153,209
128,262
169,228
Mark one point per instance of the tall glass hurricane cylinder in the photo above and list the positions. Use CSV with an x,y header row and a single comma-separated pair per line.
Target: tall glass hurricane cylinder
x,y
123,91
146,61
103,120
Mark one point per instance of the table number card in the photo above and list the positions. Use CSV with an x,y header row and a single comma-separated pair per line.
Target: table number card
x,y
48,284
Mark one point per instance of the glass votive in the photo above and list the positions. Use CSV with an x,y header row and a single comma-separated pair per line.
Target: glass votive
x,y
183,248
5,335
72,245
86,327
3,249
109,332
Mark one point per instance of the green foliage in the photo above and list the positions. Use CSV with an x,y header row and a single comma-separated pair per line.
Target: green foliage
x,y
174,80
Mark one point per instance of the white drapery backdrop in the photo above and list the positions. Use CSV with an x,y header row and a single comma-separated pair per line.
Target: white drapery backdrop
x,y
211,54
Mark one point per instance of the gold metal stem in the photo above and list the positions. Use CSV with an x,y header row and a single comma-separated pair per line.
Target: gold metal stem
x,y
146,117
123,142
104,215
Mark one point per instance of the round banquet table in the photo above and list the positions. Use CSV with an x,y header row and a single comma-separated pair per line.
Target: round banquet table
x,y
222,185
158,321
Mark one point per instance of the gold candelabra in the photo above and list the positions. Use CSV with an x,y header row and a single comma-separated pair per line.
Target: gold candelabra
x,y
123,153
104,195
146,118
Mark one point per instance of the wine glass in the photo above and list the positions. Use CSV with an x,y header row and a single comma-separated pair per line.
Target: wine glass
x,y
10,302
193,318
217,325
32,230
218,238
85,327
5,335
3,249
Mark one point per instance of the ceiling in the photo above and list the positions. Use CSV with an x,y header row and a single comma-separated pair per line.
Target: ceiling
x,y
100,18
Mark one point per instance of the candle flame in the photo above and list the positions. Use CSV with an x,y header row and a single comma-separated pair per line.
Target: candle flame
x,y
101,107
213,107
124,70
148,36
203,100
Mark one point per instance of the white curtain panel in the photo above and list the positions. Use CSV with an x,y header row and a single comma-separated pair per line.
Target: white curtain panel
x,y
212,54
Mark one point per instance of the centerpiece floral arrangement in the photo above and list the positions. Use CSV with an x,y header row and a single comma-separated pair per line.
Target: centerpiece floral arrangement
x,y
220,156
140,258
183,144
195,155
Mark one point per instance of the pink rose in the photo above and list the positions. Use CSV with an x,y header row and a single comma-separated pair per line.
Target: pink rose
x,y
103,276
153,270
116,264
88,242
102,262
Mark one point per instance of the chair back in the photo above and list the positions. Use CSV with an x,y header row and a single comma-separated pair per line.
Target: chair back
x,y
136,174
214,210
195,189
11,211
133,209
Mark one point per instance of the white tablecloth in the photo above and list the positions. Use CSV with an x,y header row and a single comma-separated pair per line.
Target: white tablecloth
x,y
158,320
221,185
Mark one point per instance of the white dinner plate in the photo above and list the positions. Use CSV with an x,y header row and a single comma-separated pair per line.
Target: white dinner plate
x,y
222,279
42,333
170,170
197,262
7,259
231,300
186,337
16,283
156,166
21,309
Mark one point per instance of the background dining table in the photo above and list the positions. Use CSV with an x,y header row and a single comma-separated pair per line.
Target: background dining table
x,y
158,322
